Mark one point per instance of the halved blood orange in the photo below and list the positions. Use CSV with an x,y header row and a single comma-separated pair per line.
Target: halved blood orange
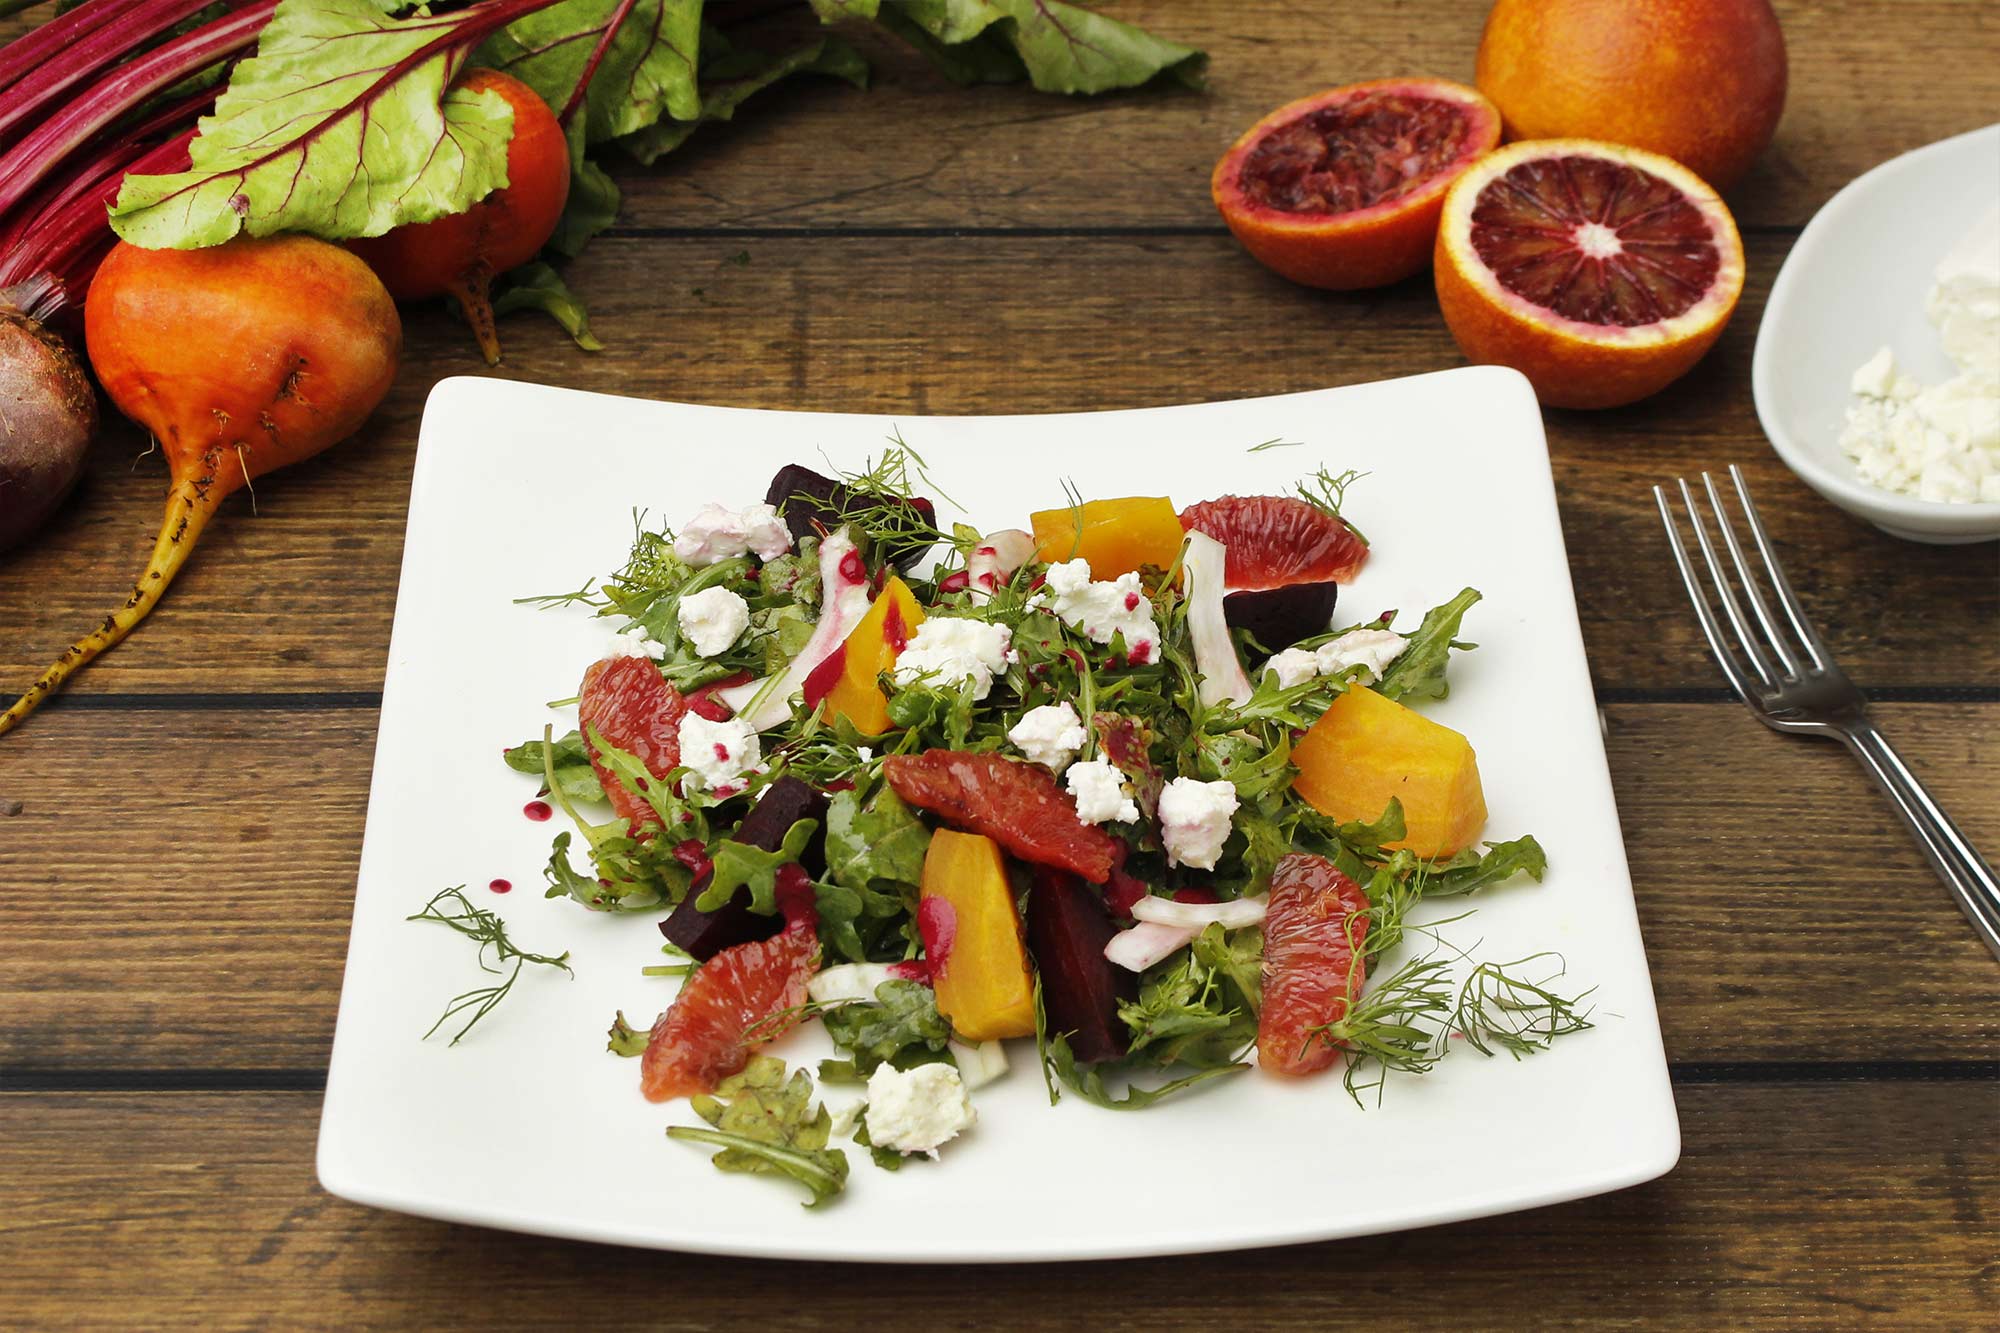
x,y
1600,272
1342,189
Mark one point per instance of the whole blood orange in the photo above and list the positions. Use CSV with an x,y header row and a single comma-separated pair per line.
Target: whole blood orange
x,y
1342,189
1601,273
1314,968
1701,81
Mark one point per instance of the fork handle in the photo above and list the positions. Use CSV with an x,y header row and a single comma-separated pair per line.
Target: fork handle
x,y
1957,862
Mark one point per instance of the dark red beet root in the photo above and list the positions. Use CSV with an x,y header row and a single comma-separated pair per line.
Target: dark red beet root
x,y
706,934
1068,928
1280,617
804,497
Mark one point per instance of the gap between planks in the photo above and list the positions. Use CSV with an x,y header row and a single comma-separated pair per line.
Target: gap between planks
x,y
1695,1073
320,701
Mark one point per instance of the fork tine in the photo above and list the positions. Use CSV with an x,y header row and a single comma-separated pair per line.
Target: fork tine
x,y
1710,628
1795,612
1774,633
1744,637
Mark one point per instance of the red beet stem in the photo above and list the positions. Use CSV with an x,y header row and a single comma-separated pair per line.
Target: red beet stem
x,y
38,91
43,42
40,151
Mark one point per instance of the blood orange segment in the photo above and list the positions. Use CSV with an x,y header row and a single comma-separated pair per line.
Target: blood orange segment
x,y
1602,273
1342,189
1018,805
630,704
1314,929
1275,541
738,1000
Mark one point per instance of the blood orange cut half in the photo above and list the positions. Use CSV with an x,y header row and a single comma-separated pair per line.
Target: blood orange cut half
x,y
1285,562
1600,272
1342,189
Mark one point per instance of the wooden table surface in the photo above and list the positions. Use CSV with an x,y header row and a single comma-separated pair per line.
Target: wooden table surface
x,y
178,866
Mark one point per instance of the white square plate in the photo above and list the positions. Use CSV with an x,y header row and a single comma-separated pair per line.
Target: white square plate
x,y
530,1125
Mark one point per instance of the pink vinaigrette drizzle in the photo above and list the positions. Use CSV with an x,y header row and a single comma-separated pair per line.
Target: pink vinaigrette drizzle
x,y
501,886
539,811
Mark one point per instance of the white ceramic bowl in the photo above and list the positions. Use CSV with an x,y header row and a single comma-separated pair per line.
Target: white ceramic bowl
x,y
1857,279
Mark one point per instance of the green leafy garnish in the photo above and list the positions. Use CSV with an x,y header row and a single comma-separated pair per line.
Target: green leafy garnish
x,y
1393,1028
739,865
1500,1011
450,907
1087,1081
1420,672
568,763
767,1124
1471,870
626,1039
901,1028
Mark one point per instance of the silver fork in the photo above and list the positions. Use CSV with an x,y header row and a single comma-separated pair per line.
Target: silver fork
x,y
1792,684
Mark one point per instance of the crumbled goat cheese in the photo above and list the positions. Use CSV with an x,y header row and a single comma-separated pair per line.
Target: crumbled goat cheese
x,y
716,533
1295,666
1101,793
951,649
633,641
916,1110
1102,611
720,753
713,619
1195,821
1941,441
1049,735
1374,649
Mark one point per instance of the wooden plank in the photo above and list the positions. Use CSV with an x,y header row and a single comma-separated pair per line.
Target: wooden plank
x,y
179,887
1837,1205
299,597
915,151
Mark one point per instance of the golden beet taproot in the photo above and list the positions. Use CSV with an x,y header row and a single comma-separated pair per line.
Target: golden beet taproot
x,y
1367,749
239,359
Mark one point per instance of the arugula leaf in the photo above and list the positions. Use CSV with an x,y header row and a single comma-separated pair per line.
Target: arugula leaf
x,y
682,816
1419,672
730,76
1502,861
738,865
569,761
339,126
876,842
767,1124
536,286
1237,955
1088,1081
1060,48
886,1158
902,1028
625,1039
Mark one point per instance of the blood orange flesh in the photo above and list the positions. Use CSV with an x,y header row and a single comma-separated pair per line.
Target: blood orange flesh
x,y
1016,804
1597,241
630,704
1342,189
734,1003
1314,929
1600,272
1275,541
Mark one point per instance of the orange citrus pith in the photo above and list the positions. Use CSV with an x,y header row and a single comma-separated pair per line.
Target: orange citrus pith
x,y
1601,273
1342,189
